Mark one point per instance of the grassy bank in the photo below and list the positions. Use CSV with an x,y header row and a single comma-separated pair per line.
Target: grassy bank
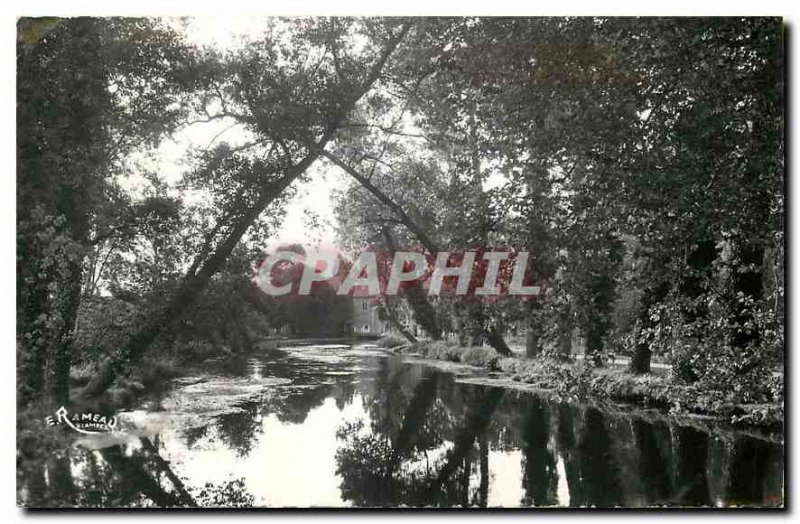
x,y
580,380
148,378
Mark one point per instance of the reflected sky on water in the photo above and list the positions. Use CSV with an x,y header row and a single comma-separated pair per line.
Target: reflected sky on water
x,y
334,425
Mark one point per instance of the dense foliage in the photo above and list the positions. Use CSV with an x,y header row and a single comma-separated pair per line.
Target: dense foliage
x,y
640,161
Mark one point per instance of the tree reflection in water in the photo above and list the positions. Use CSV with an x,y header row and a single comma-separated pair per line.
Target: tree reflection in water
x,y
540,476
124,477
421,438
430,443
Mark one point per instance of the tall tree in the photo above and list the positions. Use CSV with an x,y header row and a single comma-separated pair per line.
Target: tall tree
x,y
293,95
89,92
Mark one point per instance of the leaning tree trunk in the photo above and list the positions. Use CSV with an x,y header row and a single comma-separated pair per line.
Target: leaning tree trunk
x,y
422,399
477,422
424,312
186,294
477,329
495,337
388,310
414,293
132,471
194,282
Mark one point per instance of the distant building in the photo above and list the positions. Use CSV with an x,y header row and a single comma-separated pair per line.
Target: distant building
x,y
368,320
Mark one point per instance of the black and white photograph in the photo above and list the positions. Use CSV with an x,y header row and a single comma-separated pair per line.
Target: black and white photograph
x,y
456,262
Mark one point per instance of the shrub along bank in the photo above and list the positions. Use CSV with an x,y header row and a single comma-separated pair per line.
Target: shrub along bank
x,y
758,405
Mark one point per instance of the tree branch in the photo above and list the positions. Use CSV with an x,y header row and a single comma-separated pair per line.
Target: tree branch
x,y
404,217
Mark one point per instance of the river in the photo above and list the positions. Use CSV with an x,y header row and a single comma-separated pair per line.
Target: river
x,y
338,425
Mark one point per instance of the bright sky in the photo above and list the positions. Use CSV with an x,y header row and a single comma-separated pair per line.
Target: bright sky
x,y
313,198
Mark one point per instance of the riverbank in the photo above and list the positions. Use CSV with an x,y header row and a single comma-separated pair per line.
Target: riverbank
x,y
578,380
334,407
569,380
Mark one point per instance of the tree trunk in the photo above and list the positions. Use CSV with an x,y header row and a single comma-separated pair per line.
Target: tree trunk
x,y
60,351
477,329
564,345
392,316
163,465
186,294
598,321
539,476
495,339
483,489
194,282
652,465
600,476
640,361
31,340
566,445
477,422
533,338
424,312
62,492
133,472
690,454
422,399
748,463
414,293
474,324
748,280
692,286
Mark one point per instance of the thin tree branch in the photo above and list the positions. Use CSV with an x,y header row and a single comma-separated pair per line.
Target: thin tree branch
x,y
404,217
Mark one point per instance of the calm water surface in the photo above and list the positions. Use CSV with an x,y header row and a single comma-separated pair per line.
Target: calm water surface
x,y
336,425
